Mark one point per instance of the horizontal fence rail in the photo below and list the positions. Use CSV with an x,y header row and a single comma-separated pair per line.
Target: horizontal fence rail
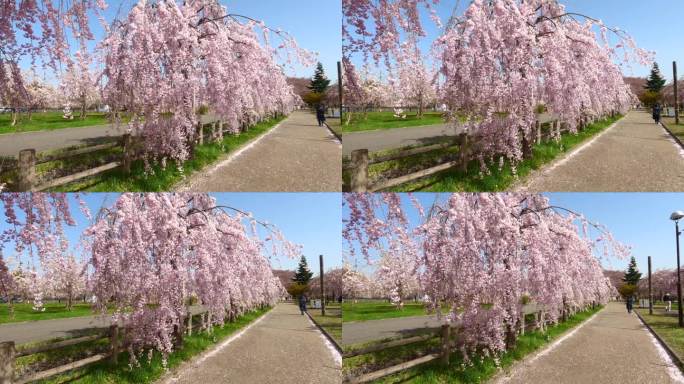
x,y
445,333
9,352
359,161
25,165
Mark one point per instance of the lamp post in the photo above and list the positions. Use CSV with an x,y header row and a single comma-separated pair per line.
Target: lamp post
x,y
676,216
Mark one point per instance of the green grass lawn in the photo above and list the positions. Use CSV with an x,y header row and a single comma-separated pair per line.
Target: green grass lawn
x,y
666,325
47,121
455,180
676,129
331,322
105,372
375,310
480,371
53,310
386,120
335,125
162,180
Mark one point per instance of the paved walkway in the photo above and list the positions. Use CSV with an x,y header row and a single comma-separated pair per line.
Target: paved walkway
x,y
365,331
297,156
283,347
380,140
634,156
12,143
44,330
614,347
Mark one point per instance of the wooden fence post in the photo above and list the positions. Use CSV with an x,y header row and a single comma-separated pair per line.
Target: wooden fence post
x,y
522,323
463,149
359,177
114,343
446,348
7,353
200,130
127,153
27,170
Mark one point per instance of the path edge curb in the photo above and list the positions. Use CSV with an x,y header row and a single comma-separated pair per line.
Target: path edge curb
x,y
677,139
169,376
501,375
675,359
188,182
522,184
326,334
332,131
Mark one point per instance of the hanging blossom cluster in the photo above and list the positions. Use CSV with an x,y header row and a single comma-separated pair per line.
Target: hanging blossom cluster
x,y
487,255
387,30
169,58
504,58
41,31
153,254
412,82
374,28
35,222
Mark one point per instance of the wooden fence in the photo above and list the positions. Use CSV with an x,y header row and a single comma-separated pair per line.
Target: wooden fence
x,y
9,352
29,159
361,159
447,335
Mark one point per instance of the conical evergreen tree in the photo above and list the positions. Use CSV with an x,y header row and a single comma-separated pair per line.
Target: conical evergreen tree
x,y
656,81
303,275
632,276
319,82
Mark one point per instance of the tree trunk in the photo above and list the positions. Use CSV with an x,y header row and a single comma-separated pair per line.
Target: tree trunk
x,y
526,146
15,115
420,105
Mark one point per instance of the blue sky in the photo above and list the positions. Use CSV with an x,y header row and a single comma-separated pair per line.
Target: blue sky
x,y
655,25
312,220
640,220
315,24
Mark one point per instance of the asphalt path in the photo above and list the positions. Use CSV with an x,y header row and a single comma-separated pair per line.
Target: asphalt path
x,y
44,330
295,156
283,347
365,331
612,348
636,155
380,140
12,143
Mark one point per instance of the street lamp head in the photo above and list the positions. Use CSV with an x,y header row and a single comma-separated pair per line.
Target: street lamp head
x,y
677,215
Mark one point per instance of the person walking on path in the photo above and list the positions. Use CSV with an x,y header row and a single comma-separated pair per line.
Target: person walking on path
x,y
656,113
630,304
668,302
302,303
320,114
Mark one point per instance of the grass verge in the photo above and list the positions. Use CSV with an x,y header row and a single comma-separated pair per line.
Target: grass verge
x,y
473,180
481,369
49,121
25,312
376,310
676,129
331,322
160,180
666,325
386,120
148,372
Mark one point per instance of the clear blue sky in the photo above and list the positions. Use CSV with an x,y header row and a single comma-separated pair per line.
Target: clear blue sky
x,y
312,220
640,220
656,25
315,24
